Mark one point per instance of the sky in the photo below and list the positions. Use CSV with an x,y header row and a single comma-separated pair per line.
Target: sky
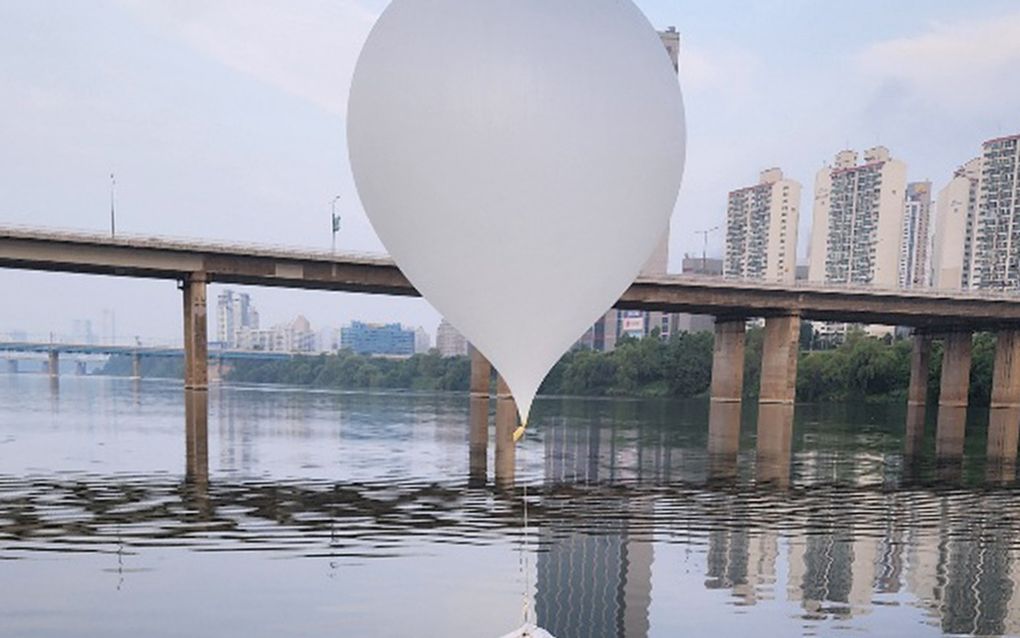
x,y
225,121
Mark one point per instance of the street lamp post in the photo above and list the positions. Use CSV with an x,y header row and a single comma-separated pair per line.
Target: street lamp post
x,y
704,248
334,221
113,223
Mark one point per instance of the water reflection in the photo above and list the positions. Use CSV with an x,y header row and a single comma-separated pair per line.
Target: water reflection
x,y
828,514
506,450
478,441
775,441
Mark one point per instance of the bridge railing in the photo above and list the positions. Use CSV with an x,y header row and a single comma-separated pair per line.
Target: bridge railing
x,y
722,282
175,242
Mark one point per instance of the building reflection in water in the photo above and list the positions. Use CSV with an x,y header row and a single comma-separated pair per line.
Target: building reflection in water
x,y
595,581
812,528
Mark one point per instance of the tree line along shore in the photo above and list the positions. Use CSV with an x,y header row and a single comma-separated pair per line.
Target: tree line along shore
x,y
860,368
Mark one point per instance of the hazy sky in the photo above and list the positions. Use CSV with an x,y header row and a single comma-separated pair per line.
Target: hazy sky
x,y
224,120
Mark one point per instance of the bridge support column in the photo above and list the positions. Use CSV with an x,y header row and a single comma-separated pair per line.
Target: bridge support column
x,y
80,368
727,388
136,365
917,392
481,373
53,363
196,341
506,423
776,397
12,366
1004,412
779,360
955,386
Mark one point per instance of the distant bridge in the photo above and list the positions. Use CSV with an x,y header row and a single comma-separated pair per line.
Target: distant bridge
x,y
53,349
41,347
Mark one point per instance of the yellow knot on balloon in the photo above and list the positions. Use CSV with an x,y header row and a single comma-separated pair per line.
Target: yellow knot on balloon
x,y
519,432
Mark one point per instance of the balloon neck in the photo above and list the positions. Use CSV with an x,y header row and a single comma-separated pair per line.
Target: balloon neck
x,y
519,432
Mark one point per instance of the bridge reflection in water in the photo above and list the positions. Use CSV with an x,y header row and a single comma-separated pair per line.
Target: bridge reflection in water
x,y
839,530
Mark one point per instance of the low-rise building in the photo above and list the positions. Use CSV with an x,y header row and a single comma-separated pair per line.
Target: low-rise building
x,y
376,339
296,336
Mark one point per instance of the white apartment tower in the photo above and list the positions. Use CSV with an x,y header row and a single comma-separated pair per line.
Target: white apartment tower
x,y
997,244
915,265
761,229
977,237
955,229
858,219
234,313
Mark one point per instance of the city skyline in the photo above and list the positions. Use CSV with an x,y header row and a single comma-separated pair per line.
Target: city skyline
x,y
264,135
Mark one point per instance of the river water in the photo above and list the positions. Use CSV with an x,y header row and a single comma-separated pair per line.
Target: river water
x,y
327,513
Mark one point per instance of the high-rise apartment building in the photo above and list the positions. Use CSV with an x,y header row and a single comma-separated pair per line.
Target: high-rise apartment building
x,y
761,229
915,265
858,219
234,313
997,244
977,232
956,228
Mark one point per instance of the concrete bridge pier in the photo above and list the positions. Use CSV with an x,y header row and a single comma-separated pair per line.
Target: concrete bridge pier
x,y
955,386
481,373
196,338
136,365
80,368
506,423
780,348
726,394
1004,410
917,393
53,363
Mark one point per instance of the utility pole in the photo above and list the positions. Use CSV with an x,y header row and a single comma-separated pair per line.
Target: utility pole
x,y
704,247
334,221
113,222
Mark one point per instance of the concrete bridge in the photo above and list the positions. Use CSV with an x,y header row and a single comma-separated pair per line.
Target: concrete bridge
x,y
949,315
53,349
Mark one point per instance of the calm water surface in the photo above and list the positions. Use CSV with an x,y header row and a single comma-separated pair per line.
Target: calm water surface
x,y
326,514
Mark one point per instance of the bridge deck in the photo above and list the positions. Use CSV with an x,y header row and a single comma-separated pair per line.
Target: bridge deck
x,y
159,258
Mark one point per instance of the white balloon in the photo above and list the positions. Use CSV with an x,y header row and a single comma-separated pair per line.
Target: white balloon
x,y
520,160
